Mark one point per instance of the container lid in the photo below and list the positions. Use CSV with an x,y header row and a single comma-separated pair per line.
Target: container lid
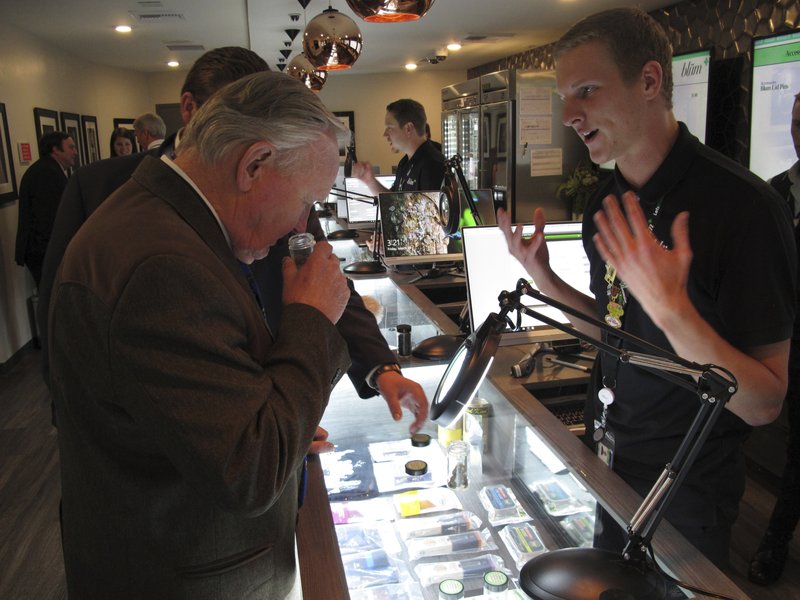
x,y
403,328
451,589
420,440
495,581
416,467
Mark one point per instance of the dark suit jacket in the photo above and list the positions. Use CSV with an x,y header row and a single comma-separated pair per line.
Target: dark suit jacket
x,y
182,423
39,194
91,185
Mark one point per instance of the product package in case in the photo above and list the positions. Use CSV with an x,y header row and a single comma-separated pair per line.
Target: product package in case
x,y
468,568
458,522
360,511
409,590
557,500
580,527
448,545
502,505
522,541
360,537
420,502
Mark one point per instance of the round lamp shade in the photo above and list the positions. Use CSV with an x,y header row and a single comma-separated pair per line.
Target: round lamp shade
x,y
332,41
390,11
300,68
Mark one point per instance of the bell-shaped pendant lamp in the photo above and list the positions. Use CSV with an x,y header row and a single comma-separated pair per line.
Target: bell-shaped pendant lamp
x,y
300,68
332,41
390,11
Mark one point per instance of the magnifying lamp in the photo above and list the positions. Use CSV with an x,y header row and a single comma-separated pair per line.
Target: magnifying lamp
x,y
443,347
592,573
361,267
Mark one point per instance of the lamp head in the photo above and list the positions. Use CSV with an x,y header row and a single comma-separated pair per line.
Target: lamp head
x,y
466,371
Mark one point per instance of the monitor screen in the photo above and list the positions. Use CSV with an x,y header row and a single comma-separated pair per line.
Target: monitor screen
x,y
413,230
491,269
776,80
359,211
690,90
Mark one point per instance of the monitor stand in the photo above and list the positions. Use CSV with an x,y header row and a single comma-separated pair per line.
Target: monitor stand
x,y
438,347
365,267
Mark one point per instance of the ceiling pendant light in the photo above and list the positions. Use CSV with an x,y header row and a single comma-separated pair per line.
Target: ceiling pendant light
x,y
390,11
300,68
332,41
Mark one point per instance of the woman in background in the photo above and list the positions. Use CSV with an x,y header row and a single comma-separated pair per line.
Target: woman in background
x,y
123,142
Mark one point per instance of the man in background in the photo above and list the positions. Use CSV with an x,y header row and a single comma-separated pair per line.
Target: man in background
x,y
150,131
374,366
767,565
39,196
422,166
675,240
183,416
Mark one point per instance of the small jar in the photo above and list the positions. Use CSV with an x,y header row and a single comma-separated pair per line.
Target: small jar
x,y
404,340
300,247
451,589
458,465
495,584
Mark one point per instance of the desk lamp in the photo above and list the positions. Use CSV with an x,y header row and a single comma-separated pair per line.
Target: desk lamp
x,y
443,347
361,267
592,573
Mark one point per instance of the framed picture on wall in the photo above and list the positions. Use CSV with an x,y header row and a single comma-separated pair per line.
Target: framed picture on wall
x,y
91,138
46,120
8,179
126,123
71,124
348,118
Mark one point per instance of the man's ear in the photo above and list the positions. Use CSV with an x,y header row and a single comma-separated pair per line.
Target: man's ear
x,y
188,107
256,158
652,79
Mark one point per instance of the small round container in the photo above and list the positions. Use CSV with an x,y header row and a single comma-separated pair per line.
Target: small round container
x,y
451,589
416,467
420,440
300,247
495,584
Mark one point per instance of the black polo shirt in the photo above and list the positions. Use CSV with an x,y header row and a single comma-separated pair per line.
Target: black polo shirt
x,y
742,282
423,171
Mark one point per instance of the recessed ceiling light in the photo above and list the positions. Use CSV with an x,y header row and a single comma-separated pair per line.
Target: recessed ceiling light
x,y
454,46
122,29
411,66
174,64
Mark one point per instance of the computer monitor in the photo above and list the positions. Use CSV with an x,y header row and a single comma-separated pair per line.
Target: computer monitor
x,y
413,230
360,213
776,80
490,269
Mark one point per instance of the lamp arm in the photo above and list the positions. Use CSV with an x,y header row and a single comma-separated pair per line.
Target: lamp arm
x,y
713,385
357,196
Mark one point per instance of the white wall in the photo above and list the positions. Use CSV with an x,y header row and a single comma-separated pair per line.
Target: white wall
x,y
368,95
35,74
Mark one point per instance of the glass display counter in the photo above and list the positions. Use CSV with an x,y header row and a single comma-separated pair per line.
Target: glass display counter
x,y
532,486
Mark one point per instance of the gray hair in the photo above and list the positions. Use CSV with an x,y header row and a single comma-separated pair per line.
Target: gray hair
x,y
632,37
152,124
268,106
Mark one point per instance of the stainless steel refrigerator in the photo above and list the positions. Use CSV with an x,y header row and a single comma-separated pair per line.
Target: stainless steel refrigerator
x,y
525,150
461,126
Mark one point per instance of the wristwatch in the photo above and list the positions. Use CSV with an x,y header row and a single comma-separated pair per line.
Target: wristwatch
x,y
372,381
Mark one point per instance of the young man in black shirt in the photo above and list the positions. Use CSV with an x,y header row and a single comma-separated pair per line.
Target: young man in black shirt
x,y
689,251
422,167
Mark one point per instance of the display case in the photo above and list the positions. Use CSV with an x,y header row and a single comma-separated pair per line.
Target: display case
x,y
532,486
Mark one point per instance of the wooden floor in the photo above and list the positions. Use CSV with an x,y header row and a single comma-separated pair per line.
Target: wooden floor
x,y
30,552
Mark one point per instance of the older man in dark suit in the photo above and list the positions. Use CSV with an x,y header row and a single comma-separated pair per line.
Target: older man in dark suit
x,y
374,368
39,194
183,417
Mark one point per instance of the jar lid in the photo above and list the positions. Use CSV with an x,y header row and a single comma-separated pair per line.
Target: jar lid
x,y
451,588
419,440
495,581
416,467
404,328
